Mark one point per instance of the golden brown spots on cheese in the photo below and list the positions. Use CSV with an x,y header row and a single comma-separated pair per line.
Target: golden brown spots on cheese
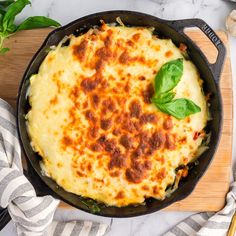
x,y
148,118
148,93
155,190
108,39
135,109
126,141
130,43
103,54
134,175
74,93
127,87
142,78
169,143
66,141
50,58
157,47
85,105
90,116
109,145
108,105
56,79
89,84
183,140
120,195
138,170
161,174
93,132
106,124
145,187
136,37
169,53
96,147
89,167
130,125
115,173
157,140
168,124
185,160
79,51
124,57
161,159
196,135
54,100
95,100
80,174
118,160
59,164
116,131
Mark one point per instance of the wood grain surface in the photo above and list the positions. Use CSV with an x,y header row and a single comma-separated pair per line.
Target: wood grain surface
x,y
209,195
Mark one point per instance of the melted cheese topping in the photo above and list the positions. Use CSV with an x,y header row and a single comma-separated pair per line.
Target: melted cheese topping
x,y
94,125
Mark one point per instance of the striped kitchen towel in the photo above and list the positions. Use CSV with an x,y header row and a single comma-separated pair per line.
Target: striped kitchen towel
x,y
208,223
31,215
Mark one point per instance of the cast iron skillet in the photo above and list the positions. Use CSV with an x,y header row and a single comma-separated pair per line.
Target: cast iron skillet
x,y
169,29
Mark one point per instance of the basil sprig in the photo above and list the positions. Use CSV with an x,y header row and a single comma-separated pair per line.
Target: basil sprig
x,y
166,80
9,10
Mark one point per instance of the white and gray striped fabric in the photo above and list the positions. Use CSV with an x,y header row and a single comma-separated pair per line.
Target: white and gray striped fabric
x,y
32,215
208,223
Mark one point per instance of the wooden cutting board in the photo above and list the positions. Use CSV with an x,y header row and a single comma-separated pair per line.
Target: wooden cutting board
x,y
210,193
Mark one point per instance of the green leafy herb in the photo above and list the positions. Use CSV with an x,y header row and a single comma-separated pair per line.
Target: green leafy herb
x,y
179,108
6,3
92,206
163,98
37,22
169,76
4,50
167,79
14,9
9,10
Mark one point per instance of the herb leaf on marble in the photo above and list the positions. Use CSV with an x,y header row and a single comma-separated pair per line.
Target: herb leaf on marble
x,y
8,11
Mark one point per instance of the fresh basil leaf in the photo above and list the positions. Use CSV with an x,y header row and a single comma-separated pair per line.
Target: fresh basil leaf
x,y
4,50
37,22
179,108
6,3
92,205
163,98
168,76
11,28
2,12
14,9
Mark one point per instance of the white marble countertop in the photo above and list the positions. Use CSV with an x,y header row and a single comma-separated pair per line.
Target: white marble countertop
x,y
213,12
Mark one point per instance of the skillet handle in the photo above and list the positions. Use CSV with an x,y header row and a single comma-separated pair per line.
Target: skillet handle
x,y
216,67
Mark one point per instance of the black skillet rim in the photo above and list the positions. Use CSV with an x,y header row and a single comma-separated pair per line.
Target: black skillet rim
x,y
196,179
